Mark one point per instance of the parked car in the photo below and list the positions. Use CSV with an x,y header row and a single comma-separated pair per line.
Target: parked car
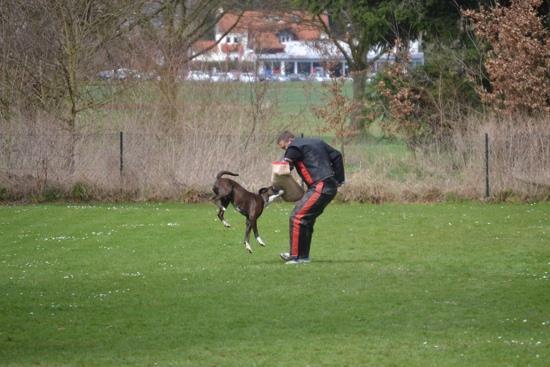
x,y
223,77
150,75
248,77
320,78
297,77
106,74
231,77
218,77
283,78
119,74
196,75
267,77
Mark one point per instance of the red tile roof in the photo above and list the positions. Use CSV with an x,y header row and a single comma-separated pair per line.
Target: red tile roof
x,y
305,26
262,29
202,45
266,42
231,47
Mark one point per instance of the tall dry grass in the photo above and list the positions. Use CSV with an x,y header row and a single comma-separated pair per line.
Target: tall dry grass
x,y
519,156
519,166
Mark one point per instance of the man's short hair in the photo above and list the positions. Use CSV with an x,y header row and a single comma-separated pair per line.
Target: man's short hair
x,y
285,136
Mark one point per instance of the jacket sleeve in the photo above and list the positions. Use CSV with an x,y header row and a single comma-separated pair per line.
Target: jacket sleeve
x,y
337,164
292,155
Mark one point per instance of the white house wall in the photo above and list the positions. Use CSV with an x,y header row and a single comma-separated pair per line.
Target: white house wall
x,y
300,52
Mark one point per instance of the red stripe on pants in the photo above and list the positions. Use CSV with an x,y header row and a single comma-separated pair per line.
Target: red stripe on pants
x,y
298,217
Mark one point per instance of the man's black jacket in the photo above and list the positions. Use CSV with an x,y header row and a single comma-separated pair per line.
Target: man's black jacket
x,y
315,160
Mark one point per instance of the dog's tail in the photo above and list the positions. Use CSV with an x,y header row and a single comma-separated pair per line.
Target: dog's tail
x,y
221,173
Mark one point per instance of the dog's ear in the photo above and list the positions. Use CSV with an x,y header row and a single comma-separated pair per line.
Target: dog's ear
x,y
263,190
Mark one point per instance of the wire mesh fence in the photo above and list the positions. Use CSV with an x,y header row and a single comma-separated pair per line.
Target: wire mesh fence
x,y
158,165
149,164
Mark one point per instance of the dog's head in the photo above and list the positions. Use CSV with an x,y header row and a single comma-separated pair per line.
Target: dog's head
x,y
270,193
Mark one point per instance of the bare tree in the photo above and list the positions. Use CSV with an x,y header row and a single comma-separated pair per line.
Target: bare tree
x,y
169,29
335,112
52,45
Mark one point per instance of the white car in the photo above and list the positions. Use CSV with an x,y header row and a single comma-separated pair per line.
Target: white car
x,y
196,75
125,73
321,78
231,77
248,77
119,74
218,77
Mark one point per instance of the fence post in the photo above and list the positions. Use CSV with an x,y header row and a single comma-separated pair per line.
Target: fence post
x,y
121,155
487,193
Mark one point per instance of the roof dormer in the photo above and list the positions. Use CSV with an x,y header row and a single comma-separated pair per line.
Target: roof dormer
x,y
286,36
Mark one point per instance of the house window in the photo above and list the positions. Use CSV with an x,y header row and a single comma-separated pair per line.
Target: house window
x,y
286,36
304,68
236,39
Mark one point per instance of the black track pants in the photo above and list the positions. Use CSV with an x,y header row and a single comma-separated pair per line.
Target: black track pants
x,y
306,212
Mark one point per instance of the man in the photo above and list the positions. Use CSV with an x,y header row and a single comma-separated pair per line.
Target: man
x,y
321,167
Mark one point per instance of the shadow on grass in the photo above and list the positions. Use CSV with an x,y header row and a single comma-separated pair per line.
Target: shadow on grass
x,y
325,261
340,261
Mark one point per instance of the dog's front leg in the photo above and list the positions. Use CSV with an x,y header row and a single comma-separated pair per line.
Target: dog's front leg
x,y
221,212
247,236
256,234
220,215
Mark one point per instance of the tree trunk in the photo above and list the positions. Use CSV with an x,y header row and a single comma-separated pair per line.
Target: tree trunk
x,y
358,118
169,89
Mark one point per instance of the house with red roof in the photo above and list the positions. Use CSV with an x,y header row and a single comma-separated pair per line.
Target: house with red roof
x,y
283,44
275,43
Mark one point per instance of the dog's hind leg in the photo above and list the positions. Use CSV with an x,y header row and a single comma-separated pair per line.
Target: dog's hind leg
x,y
256,234
247,236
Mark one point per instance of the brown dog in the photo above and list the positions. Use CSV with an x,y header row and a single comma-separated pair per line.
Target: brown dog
x,y
247,203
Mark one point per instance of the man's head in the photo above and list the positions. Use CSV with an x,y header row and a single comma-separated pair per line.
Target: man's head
x,y
284,139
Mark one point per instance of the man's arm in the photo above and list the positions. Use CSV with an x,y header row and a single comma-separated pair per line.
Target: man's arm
x,y
292,155
337,164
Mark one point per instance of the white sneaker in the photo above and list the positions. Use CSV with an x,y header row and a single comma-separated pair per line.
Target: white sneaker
x,y
292,260
286,256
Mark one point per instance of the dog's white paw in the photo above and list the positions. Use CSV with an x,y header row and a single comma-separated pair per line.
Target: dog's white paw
x,y
272,198
226,224
247,247
262,243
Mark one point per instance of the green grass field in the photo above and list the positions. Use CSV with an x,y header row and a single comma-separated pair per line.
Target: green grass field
x,y
166,285
292,102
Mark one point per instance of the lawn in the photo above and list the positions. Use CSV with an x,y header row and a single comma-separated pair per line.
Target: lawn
x,y
166,285
292,101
